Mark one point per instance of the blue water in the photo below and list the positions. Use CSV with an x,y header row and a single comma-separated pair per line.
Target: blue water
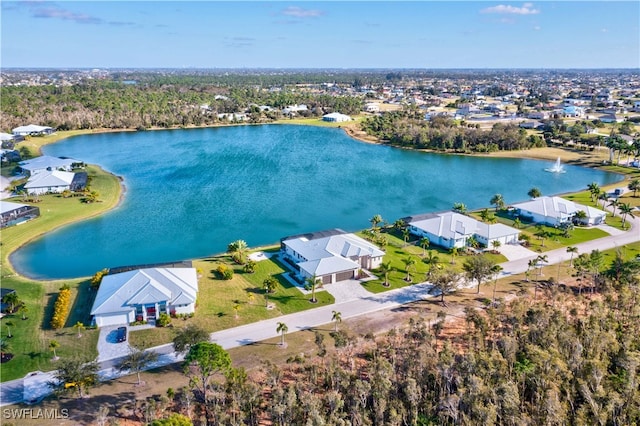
x,y
191,192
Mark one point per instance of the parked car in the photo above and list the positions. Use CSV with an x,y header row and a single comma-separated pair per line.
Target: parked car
x,y
121,335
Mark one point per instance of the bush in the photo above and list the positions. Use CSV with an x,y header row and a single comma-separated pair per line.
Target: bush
x,y
224,272
163,320
61,308
97,278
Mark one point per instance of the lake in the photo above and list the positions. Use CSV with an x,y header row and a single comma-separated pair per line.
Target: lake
x,y
191,192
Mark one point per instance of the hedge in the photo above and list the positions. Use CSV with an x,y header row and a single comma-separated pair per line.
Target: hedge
x,y
61,308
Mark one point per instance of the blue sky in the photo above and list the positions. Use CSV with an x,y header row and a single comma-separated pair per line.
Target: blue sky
x,y
332,34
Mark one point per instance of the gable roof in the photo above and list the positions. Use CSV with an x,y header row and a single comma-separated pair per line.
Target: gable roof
x,y
452,225
46,179
343,245
45,162
556,207
7,206
31,128
119,292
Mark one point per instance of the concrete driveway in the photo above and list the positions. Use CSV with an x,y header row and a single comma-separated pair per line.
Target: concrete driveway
x,y
108,347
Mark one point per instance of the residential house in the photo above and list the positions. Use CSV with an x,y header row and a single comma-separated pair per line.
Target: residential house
x,y
55,181
330,256
336,117
144,294
611,118
15,213
573,111
32,130
450,229
46,163
555,211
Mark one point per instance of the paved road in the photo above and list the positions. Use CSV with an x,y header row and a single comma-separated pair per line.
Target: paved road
x,y
33,388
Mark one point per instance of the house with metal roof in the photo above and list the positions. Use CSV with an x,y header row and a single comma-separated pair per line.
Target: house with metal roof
x,y
330,256
46,163
144,294
450,229
336,117
49,182
16,213
555,211
32,130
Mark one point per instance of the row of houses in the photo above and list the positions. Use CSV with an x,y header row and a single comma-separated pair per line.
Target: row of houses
x,y
52,175
329,257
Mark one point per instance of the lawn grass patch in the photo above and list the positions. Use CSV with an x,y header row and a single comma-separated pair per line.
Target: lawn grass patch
x,y
217,297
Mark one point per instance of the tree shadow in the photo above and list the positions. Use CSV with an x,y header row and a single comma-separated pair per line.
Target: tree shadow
x,y
80,311
50,300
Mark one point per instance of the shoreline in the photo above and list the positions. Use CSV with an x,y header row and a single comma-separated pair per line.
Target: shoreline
x,y
349,129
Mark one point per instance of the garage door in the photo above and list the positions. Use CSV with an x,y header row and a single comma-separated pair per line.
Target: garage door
x,y
342,276
326,279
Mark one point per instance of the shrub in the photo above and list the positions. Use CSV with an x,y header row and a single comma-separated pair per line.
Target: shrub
x,y
224,272
97,278
163,320
61,307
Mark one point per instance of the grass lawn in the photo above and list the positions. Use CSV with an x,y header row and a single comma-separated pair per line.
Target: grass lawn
x,y
216,299
397,251
318,121
32,336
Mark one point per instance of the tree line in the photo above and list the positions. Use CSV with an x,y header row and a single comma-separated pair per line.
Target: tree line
x,y
108,104
405,128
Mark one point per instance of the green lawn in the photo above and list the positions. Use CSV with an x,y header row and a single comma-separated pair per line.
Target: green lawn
x,y
397,250
217,297
317,121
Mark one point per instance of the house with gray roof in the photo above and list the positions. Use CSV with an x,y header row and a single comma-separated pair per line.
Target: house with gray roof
x,y
46,163
555,211
32,130
49,182
16,213
450,229
330,256
144,294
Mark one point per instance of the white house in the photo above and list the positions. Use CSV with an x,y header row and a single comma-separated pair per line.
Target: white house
x,y
4,137
144,294
330,256
49,181
46,163
451,229
555,211
336,117
16,213
32,129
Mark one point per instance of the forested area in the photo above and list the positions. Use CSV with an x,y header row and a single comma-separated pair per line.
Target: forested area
x,y
108,104
571,356
443,134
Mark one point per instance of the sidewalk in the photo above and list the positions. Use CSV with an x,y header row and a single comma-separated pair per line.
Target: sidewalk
x,y
33,388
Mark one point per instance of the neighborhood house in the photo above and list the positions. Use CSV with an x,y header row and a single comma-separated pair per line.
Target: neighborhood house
x,y
55,182
46,163
450,229
555,211
144,294
15,213
330,256
32,130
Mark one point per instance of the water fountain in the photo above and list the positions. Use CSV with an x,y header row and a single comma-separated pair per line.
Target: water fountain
x,y
557,167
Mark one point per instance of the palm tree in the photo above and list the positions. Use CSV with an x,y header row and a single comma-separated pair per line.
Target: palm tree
x,y
432,261
496,245
424,243
594,189
460,208
542,234
484,215
251,298
79,326
634,186
136,361
613,203
282,329
53,345
269,285
405,236
454,253
603,197
409,263
386,268
23,310
312,284
534,193
236,308
495,270
5,346
238,250
625,210
517,223
9,324
573,250
375,221
498,201
336,318
12,300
